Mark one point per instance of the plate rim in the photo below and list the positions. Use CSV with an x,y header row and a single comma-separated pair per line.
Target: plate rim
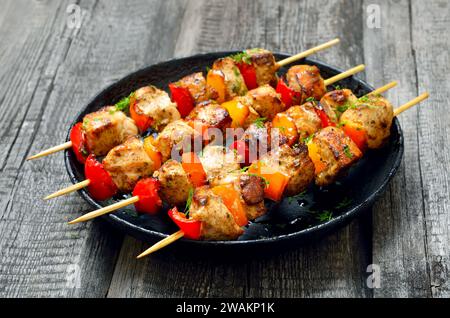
x,y
333,224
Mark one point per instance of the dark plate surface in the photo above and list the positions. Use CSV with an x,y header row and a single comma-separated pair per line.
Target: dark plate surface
x,y
294,220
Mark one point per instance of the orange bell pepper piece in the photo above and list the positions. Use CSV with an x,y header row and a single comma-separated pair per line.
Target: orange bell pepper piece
x,y
152,152
216,80
193,167
238,112
232,201
286,126
313,152
357,134
276,181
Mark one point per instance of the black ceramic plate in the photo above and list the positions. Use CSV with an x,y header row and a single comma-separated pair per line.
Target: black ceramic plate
x,y
294,220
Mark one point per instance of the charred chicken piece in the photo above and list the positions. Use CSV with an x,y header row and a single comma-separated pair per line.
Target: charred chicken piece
x,y
127,163
265,66
152,107
217,221
374,115
306,80
175,137
107,128
175,183
335,102
332,153
305,119
196,85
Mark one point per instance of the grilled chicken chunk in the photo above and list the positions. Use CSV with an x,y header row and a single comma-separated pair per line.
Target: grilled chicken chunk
x,y
373,114
175,183
107,128
336,153
234,82
251,190
265,101
196,84
127,163
218,161
306,80
211,115
305,119
175,137
258,139
155,104
294,163
335,102
217,221
265,66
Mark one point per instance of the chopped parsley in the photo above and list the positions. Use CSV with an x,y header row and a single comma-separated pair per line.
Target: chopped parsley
x,y
347,152
346,201
325,216
296,197
189,202
124,103
245,169
259,122
242,57
338,87
208,69
311,99
364,99
308,139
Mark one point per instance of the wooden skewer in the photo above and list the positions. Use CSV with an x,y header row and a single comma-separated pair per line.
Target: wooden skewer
x,y
306,53
279,64
72,188
163,243
49,151
105,210
345,74
383,89
410,104
179,234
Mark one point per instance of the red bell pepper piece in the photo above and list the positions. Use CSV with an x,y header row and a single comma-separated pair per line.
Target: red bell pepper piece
x,y
324,118
101,186
249,74
288,96
190,227
142,121
79,146
183,98
242,149
147,191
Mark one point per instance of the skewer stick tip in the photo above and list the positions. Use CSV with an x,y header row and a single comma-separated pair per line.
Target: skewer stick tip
x,y
164,242
411,103
49,151
105,210
72,188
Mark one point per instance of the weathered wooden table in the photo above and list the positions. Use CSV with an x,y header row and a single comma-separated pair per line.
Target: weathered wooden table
x,y
52,63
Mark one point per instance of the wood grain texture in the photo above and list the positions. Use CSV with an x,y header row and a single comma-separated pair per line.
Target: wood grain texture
x,y
332,267
41,254
398,231
430,23
50,71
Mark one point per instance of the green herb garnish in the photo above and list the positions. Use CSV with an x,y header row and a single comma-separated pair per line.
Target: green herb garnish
x,y
344,203
296,197
257,175
347,152
308,139
208,69
259,122
124,103
311,99
189,202
242,57
325,216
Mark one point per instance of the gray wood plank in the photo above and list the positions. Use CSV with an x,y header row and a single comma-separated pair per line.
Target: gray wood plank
x,y
430,22
53,68
331,267
412,220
